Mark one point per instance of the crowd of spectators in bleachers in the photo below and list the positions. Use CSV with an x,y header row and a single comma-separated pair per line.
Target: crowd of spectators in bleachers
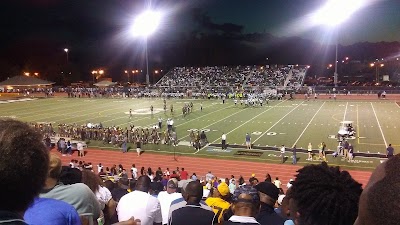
x,y
205,76
297,78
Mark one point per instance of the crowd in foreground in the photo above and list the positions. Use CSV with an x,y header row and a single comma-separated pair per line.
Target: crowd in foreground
x,y
36,189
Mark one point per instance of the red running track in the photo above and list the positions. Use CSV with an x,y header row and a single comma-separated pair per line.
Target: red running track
x,y
221,168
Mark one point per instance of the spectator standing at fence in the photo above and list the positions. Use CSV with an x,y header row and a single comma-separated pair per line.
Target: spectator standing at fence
x,y
19,186
389,151
124,144
223,141
294,151
350,154
346,149
309,150
79,147
248,141
283,153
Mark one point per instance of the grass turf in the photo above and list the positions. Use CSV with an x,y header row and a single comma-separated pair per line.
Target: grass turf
x,y
281,122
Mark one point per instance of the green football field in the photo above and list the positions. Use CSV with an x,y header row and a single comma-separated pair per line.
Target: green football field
x,y
281,122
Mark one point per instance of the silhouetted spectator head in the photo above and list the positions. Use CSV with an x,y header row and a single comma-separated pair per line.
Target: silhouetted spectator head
x,y
24,162
143,183
379,202
193,192
324,195
70,175
268,192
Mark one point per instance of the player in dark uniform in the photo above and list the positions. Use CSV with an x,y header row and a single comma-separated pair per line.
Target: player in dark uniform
x,y
151,109
130,113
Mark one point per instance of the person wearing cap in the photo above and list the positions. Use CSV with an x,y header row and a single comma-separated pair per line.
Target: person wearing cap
x,y
140,204
167,197
192,213
246,203
269,194
218,200
78,195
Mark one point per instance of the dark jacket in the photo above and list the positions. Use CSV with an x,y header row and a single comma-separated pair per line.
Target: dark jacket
x,y
267,215
11,218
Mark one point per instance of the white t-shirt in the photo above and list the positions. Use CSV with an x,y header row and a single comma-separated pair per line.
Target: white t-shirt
x,y
165,202
99,168
79,146
140,205
277,183
134,172
103,196
223,137
283,149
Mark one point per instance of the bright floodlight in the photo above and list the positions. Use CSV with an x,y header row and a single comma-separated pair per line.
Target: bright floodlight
x,y
146,23
65,49
335,12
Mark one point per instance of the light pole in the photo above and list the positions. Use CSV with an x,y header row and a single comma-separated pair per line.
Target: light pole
x,y
377,70
333,13
66,52
93,73
127,72
144,25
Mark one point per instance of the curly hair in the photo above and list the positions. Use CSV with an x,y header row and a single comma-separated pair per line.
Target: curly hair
x,y
24,165
325,195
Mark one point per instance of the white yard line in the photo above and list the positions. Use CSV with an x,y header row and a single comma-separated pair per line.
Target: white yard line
x,y
308,124
241,125
380,128
277,122
345,111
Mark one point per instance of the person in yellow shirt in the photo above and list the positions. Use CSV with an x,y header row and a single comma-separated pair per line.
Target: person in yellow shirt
x,y
218,201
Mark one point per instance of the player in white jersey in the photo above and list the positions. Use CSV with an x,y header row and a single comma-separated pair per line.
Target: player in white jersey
x,y
235,101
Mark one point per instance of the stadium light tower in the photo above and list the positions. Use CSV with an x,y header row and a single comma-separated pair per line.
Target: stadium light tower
x,y
66,52
333,13
145,25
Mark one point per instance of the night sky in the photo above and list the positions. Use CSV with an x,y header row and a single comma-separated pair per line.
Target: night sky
x,y
98,29
378,21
